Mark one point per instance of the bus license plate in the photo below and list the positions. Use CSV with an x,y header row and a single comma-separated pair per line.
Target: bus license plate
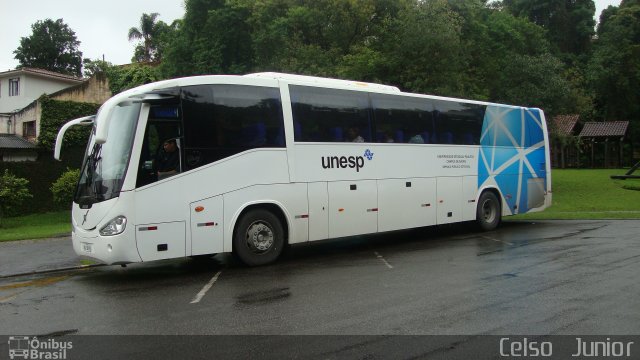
x,y
88,248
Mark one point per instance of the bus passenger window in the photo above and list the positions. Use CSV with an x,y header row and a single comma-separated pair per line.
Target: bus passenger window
x,y
330,115
224,120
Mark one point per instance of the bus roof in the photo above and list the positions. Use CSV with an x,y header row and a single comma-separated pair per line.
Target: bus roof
x,y
324,81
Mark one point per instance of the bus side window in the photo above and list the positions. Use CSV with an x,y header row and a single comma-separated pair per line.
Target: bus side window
x,y
402,119
329,115
223,120
458,123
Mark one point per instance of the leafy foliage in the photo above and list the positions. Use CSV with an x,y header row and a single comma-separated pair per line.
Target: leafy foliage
x,y
569,24
52,46
614,68
151,34
64,187
443,47
41,174
92,67
13,191
126,77
55,113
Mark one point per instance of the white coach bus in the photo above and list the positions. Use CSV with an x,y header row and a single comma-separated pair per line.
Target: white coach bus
x,y
270,159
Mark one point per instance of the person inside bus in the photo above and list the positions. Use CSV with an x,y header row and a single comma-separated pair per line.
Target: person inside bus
x,y
354,134
416,139
168,161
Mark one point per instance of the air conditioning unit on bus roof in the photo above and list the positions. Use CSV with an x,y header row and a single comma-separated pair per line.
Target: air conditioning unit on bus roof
x,y
324,81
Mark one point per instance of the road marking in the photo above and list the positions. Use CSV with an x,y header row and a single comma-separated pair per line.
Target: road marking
x,y
6,299
383,260
39,282
206,288
497,240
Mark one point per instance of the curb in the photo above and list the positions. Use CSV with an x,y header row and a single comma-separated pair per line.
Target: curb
x,y
71,268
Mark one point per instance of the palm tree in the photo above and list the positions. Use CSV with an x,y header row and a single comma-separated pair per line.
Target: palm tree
x,y
147,32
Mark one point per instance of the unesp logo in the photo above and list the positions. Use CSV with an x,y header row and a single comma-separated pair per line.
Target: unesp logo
x,y
368,154
343,162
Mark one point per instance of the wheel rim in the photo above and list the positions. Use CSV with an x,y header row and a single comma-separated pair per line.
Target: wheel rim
x,y
489,211
260,237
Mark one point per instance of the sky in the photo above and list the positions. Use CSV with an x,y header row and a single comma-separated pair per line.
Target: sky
x,y
100,26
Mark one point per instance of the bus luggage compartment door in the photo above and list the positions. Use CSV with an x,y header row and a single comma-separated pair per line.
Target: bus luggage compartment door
x,y
406,203
161,241
353,208
207,226
449,198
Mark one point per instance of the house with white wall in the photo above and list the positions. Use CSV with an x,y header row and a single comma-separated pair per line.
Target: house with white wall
x,y
20,87
21,111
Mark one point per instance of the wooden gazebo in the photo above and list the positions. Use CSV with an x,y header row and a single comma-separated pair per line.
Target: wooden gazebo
x,y
605,136
564,144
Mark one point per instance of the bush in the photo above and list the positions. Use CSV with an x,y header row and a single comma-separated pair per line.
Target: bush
x,y
64,188
13,191
41,174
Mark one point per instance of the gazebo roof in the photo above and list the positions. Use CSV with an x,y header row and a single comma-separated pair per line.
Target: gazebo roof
x,y
604,129
565,124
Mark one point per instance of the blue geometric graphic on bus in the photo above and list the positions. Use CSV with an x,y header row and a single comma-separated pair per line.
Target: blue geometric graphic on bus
x,y
368,154
512,152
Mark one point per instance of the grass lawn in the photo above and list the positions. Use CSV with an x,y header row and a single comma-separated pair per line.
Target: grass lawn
x,y
35,226
590,194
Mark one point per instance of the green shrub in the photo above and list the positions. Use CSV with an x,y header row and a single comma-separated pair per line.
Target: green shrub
x,y
64,188
13,191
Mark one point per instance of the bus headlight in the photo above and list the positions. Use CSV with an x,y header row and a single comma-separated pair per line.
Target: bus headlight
x,y
114,227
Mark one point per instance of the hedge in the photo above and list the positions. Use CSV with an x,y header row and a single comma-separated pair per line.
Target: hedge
x,y
56,113
41,174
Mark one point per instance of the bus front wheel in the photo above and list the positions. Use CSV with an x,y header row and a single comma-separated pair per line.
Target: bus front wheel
x,y
258,238
489,211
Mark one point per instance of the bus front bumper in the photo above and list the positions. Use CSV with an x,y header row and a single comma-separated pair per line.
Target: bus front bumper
x,y
111,250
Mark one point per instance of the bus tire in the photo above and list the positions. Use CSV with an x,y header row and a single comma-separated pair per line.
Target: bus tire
x,y
258,238
489,211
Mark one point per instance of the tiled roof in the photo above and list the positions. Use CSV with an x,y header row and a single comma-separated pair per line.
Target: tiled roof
x,y
603,129
564,124
41,72
8,141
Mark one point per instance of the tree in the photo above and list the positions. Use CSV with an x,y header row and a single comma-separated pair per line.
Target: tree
x,y
422,49
614,69
149,33
52,46
13,191
91,67
569,24
126,77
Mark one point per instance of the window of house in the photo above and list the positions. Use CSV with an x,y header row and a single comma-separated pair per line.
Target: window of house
x,y
14,87
29,129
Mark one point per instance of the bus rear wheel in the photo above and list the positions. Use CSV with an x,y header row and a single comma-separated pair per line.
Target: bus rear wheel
x,y
258,238
489,211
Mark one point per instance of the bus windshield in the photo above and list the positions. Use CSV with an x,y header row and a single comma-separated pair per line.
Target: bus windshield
x,y
105,165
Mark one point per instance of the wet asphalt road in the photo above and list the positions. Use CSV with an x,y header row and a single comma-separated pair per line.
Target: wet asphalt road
x,y
548,277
